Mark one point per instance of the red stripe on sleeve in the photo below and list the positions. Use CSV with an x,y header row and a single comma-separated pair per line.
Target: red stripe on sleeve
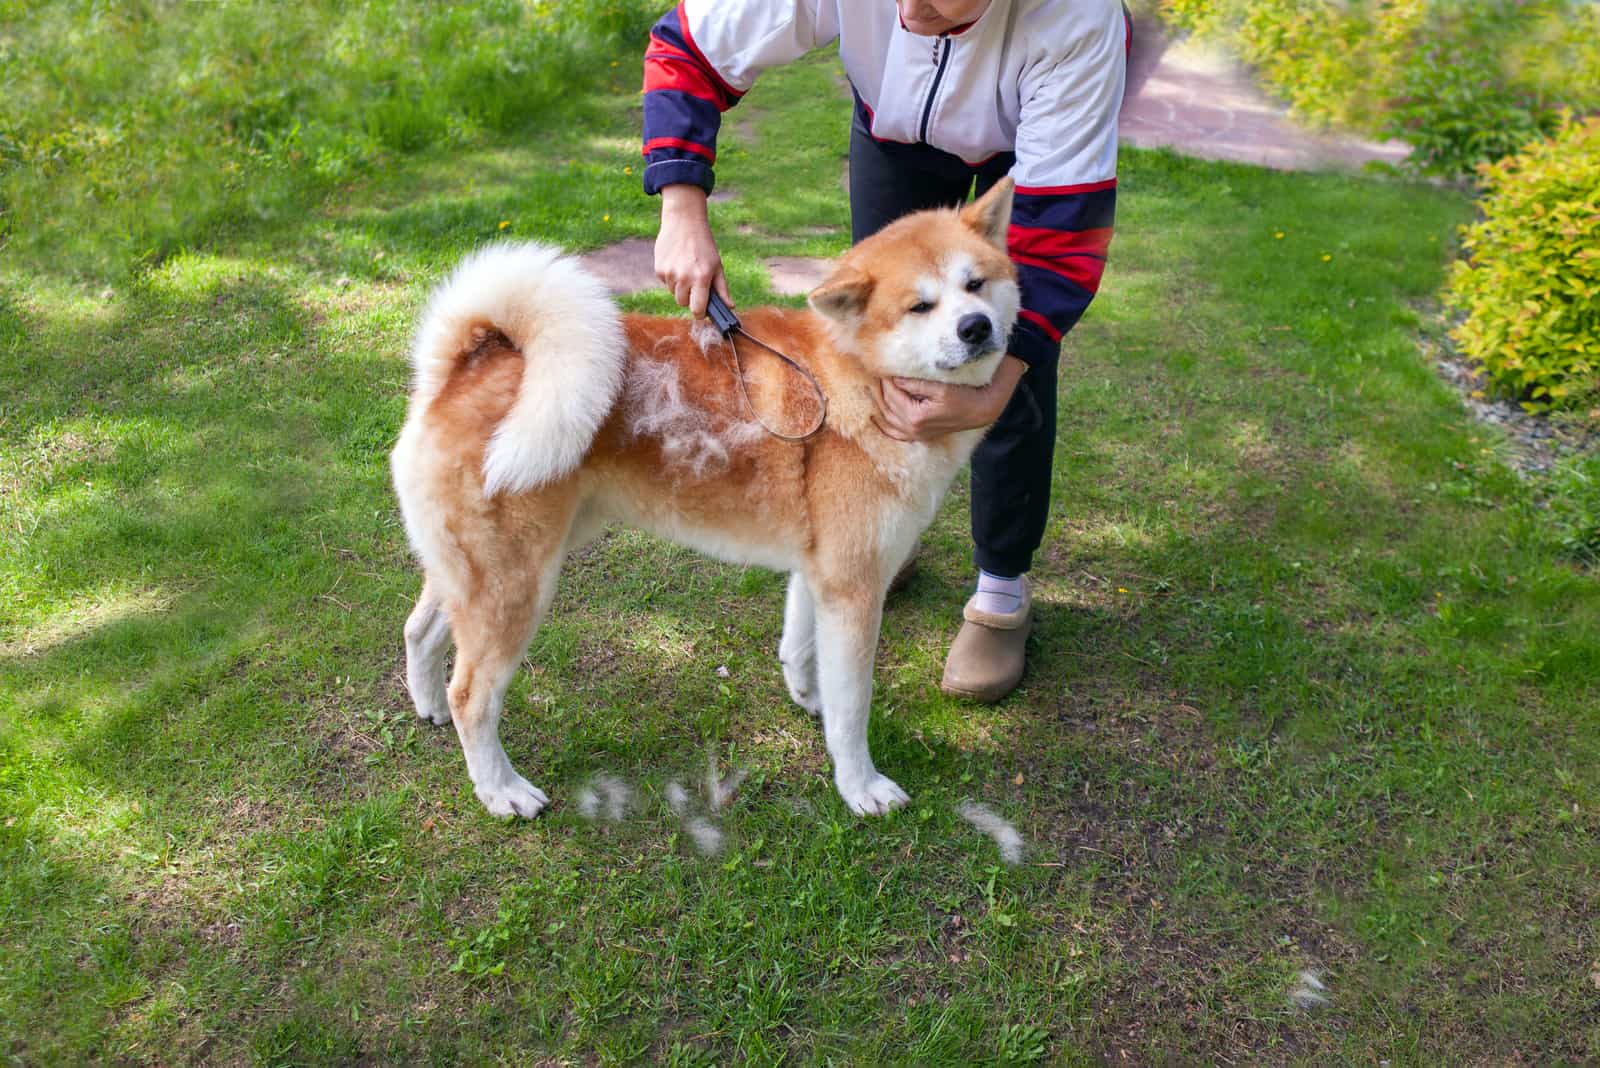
x,y
659,49
1041,322
662,73
1065,190
678,142
1084,271
1037,241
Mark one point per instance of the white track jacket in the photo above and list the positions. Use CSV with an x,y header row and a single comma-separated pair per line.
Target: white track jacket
x,y
1040,78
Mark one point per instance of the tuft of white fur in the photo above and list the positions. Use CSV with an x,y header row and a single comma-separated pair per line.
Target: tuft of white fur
x,y
564,323
989,822
705,336
1311,993
720,789
588,803
615,795
707,837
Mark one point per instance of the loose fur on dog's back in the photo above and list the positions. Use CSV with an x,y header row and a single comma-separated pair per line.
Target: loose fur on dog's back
x,y
549,307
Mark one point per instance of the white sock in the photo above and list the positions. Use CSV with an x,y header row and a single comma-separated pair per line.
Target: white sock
x,y
998,595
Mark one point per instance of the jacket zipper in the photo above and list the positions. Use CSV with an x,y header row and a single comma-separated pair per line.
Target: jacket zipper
x,y
927,109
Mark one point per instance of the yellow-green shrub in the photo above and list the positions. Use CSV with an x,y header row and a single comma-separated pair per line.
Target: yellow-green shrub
x,y
1530,282
1333,62
1560,56
1459,82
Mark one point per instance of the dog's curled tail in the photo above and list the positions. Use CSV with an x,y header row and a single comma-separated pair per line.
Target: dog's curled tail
x,y
563,322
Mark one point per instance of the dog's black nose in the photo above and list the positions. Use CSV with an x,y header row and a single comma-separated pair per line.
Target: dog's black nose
x,y
975,328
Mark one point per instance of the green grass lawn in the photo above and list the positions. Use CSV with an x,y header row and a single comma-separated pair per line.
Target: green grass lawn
x,y
1314,686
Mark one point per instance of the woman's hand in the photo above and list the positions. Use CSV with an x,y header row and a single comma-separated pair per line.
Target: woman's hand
x,y
912,409
687,260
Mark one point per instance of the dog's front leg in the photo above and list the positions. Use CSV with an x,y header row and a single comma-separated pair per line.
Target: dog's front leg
x,y
797,651
847,641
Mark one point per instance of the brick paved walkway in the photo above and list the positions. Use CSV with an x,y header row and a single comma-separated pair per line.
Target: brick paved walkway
x,y
1199,102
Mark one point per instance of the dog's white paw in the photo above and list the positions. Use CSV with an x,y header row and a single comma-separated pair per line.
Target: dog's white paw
x,y
519,797
807,698
428,696
874,797
434,712
802,681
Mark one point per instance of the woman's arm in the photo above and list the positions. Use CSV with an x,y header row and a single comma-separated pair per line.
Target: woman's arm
x,y
687,260
702,57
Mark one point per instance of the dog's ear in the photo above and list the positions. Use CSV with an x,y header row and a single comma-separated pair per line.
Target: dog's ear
x,y
990,215
844,294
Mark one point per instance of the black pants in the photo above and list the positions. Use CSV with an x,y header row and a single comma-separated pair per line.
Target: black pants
x,y
1011,468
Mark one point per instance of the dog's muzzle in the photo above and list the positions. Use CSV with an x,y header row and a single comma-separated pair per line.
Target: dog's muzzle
x,y
976,332
975,329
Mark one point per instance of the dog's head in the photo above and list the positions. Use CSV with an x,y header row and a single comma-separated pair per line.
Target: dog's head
x,y
932,295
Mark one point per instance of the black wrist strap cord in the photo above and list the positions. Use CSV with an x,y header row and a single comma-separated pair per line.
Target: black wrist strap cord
x,y
728,324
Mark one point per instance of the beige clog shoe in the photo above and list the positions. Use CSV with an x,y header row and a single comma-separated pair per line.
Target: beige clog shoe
x,y
986,659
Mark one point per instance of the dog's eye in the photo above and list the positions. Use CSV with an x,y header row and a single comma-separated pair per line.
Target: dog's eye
x,y
974,284
922,307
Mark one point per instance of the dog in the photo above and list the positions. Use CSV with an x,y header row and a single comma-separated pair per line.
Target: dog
x,y
539,414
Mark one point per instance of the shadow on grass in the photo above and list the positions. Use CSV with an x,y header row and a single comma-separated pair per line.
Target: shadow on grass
x,y
214,458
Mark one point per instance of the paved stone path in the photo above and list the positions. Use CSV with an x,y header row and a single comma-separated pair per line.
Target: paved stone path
x,y
1181,95
1199,102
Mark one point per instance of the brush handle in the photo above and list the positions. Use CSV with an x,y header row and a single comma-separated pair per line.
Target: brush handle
x,y
721,315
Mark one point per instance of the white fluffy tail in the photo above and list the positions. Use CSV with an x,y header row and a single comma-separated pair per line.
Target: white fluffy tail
x,y
564,323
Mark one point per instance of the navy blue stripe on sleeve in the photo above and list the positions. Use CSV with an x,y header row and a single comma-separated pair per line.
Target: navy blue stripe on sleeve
x,y
1073,211
671,116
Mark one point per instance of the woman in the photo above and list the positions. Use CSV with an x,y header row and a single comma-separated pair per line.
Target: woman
x,y
949,95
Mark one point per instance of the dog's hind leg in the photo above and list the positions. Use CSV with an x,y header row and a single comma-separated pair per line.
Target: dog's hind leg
x,y
492,629
848,618
427,640
797,651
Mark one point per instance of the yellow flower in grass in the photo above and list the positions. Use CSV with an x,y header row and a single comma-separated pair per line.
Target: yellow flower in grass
x,y
504,223
605,218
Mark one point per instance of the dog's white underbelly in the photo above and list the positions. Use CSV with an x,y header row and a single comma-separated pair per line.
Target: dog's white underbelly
x,y
775,549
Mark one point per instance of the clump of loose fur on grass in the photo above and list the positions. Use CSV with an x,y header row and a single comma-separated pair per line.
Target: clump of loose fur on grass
x,y
606,796
987,821
1310,994
706,836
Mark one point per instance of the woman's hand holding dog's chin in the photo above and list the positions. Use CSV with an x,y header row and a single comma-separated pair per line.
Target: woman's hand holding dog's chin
x,y
687,260
912,409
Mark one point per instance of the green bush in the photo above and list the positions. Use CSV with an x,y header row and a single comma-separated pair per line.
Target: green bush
x,y
1462,82
1530,283
166,119
1459,101
1332,62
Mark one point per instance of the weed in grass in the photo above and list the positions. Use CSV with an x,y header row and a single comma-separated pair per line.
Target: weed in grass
x,y
1021,1044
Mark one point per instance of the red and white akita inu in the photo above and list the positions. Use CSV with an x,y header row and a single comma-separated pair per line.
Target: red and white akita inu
x,y
539,414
